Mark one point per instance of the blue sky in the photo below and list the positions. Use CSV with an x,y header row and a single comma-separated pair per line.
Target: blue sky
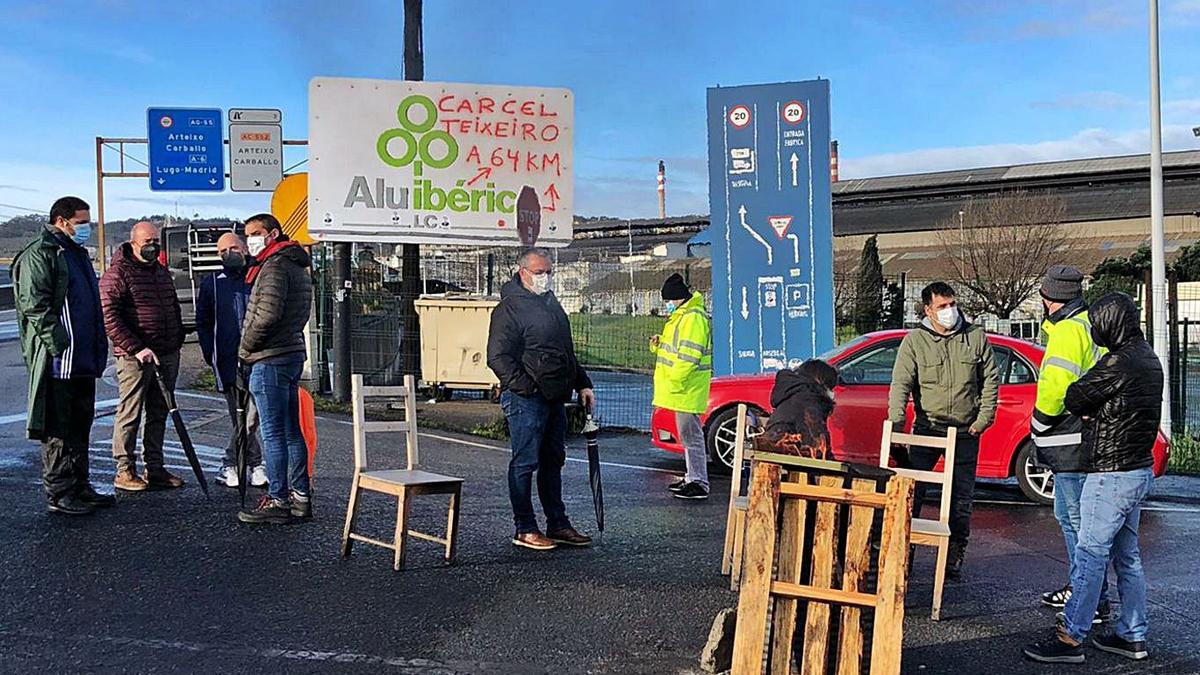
x,y
917,86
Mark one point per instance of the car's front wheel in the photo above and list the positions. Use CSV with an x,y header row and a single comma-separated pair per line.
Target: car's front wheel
x,y
719,436
1035,480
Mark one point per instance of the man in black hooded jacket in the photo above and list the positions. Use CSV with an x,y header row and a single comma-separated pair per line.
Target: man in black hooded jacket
x,y
1120,403
531,351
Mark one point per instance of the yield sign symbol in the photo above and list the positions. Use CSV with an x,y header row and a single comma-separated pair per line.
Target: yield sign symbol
x,y
780,224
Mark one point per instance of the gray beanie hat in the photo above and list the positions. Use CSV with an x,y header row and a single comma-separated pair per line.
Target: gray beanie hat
x,y
1063,283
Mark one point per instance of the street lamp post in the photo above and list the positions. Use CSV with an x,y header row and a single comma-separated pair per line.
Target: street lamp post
x,y
1157,244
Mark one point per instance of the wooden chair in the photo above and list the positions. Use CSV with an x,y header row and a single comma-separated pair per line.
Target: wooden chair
x,y
404,484
925,532
785,568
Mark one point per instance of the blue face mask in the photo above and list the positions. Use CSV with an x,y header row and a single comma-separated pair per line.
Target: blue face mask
x,y
83,232
671,307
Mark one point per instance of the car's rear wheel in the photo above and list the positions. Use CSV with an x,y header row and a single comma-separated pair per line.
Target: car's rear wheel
x,y
719,437
1035,480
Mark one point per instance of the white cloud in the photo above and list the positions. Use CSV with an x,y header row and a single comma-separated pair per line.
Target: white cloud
x,y
1086,143
1183,12
1088,100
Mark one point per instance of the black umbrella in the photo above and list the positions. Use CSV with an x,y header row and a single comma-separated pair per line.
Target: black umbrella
x,y
590,429
184,439
241,438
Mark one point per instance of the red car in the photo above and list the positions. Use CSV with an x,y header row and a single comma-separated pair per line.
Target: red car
x,y
865,365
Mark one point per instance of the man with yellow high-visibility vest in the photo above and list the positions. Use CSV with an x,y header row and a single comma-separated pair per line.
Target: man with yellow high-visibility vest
x,y
682,373
1070,352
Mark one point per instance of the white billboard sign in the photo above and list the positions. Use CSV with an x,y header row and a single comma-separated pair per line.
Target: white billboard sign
x,y
440,163
255,157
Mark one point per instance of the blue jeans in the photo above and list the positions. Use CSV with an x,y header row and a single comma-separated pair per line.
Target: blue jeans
x,y
275,388
1068,487
1110,508
539,435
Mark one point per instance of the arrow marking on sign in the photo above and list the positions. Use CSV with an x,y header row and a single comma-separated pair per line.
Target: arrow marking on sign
x,y
745,307
551,193
212,181
485,172
795,161
757,236
795,247
161,181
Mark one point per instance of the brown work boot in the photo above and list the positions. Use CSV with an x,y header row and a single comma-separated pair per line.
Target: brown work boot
x,y
128,480
569,536
161,479
534,540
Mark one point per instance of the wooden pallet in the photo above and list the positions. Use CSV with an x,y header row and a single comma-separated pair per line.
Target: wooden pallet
x,y
785,573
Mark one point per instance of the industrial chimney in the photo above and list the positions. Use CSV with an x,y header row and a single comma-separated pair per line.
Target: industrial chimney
x,y
833,161
662,189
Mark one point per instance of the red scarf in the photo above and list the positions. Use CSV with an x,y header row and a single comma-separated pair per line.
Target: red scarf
x,y
269,251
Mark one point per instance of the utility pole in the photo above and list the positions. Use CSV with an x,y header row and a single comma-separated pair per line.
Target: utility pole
x,y
341,321
1157,237
410,254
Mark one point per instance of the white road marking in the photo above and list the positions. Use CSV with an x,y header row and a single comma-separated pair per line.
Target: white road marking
x,y
500,448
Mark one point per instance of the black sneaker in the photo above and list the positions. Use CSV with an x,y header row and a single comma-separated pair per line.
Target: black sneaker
x,y
1103,612
1057,599
301,506
98,500
268,512
692,491
1054,650
678,485
1114,645
954,561
69,505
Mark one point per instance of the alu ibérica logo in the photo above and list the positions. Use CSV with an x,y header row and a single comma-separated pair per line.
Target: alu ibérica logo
x,y
421,149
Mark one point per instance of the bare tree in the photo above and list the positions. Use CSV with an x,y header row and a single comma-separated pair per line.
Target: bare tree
x,y
999,248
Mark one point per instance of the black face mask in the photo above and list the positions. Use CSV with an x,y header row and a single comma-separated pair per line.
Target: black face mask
x,y
234,261
149,252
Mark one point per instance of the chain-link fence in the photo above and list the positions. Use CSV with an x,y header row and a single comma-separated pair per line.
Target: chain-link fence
x,y
612,301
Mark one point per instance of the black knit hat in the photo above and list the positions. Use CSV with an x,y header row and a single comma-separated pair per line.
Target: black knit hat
x,y
675,289
1063,283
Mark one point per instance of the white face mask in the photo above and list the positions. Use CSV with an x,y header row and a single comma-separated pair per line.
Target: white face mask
x,y
256,244
542,283
948,317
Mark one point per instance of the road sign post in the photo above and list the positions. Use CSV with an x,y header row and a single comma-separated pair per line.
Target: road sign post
x,y
770,195
255,149
185,149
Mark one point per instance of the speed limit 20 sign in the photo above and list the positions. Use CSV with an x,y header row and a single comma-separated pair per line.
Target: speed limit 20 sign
x,y
739,116
792,112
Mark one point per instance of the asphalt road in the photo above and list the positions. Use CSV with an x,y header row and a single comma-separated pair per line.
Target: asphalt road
x,y
169,582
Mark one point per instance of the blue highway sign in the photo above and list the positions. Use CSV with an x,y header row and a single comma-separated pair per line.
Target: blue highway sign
x,y
186,149
771,225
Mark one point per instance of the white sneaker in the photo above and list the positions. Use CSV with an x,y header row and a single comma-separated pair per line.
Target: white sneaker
x,y
258,477
228,476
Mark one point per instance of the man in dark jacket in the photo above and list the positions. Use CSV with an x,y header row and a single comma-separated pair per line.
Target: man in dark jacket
x,y
143,319
1120,402
946,365
220,310
531,351
273,347
62,340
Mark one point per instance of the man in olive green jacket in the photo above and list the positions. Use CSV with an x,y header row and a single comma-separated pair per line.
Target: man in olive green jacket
x,y
946,366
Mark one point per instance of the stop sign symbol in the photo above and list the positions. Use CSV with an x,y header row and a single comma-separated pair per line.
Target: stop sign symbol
x,y
793,112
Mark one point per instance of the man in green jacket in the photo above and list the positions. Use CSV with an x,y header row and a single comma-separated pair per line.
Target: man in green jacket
x,y
63,342
946,366
682,373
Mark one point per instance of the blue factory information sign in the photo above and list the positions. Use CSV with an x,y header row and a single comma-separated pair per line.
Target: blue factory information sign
x,y
771,225
186,149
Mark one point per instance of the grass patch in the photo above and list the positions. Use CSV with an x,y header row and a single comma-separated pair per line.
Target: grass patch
x,y
615,341
497,429
1185,455
205,381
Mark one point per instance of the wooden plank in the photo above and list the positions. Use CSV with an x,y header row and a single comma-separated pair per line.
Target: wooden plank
x,y
754,600
383,392
825,541
358,537
733,519
936,477
426,537
922,441
384,427
855,566
831,596
791,543
838,494
792,461
888,635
